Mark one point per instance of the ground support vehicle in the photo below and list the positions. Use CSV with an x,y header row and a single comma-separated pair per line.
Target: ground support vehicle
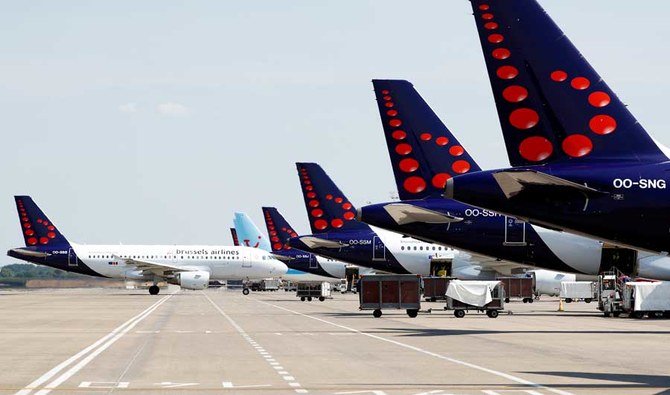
x,y
483,296
390,291
307,291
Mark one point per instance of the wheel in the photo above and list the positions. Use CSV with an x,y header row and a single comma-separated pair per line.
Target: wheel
x,y
492,313
568,300
154,290
607,313
412,313
525,300
506,300
616,313
587,300
302,298
377,313
459,313
636,314
666,314
245,291
321,298
309,298
530,300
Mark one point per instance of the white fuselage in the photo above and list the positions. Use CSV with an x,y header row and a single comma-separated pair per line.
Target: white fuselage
x,y
222,262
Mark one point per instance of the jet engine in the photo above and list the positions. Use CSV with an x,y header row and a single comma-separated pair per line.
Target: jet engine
x,y
193,280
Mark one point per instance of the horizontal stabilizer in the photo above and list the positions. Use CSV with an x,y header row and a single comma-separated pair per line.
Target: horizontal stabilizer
x,y
513,182
403,214
283,258
315,242
29,253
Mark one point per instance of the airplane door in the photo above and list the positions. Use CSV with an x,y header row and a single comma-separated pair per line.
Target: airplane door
x,y
515,232
71,258
378,249
313,264
246,260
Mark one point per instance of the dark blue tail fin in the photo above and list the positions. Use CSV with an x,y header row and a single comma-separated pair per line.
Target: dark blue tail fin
x,y
424,154
37,229
327,207
278,229
552,104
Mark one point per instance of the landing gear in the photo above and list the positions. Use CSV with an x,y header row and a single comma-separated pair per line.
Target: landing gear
x,y
245,291
154,290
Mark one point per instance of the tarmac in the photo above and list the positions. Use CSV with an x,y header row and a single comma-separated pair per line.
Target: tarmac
x,y
102,341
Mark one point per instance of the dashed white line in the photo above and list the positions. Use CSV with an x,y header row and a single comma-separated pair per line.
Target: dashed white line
x,y
280,369
507,376
94,349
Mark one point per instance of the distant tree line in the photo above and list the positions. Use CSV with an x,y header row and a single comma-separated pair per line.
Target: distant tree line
x,y
29,271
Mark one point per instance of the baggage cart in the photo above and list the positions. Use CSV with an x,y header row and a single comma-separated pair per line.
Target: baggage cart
x,y
642,298
269,285
390,291
435,288
483,296
518,288
572,291
313,290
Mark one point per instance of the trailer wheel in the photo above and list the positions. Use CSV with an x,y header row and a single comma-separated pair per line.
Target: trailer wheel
x,y
321,298
302,298
666,314
568,300
412,313
377,313
245,291
530,300
459,313
607,313
636,314
506,300
587,300
492,313
309,298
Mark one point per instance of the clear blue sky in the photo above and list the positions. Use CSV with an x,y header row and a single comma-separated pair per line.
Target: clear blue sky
x,y
152,121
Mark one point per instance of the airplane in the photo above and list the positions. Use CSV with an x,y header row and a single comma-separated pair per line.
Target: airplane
x,y
338,235
298,265
424,154
189,266
580,161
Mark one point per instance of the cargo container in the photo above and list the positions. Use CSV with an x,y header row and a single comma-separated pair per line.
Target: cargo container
x,y
390,291
572,291
307,291
518,288
435,288
647,298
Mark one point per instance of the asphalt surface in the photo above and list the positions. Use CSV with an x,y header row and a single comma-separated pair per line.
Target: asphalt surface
x,y
218,341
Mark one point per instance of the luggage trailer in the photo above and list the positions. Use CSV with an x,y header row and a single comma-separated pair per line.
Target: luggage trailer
x,y
390,291
476,289
307,291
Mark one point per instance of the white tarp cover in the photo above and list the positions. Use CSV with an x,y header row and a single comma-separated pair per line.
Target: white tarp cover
x,y
476,293
577,289
651,296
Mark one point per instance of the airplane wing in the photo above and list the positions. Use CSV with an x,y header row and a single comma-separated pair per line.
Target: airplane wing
x,y
315,242
159,269
403,213
514,182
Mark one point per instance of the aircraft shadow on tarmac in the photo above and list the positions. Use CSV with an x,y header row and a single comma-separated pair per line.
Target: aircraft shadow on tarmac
x,y
622,380
427,332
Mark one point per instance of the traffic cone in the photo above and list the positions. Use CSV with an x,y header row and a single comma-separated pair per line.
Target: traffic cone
x,y
560,305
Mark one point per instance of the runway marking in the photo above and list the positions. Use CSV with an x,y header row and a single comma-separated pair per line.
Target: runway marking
x,y
507,376
94,349
104,384
268,358
170,384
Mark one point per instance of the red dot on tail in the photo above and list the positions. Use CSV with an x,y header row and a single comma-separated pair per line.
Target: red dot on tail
x,y
487,17
277,246
338,200
391,113
27,225
484,7
602,124
309,188
29,232
442,141
403,149
507,72
439,181
387,98
32,241
311,195
559,75
320,224
524,118
460,166
426,136
389,104
399,134
39,220
317,212
577,145
501,53
395,122
535,148
385,92
51,235
275,239
347,206
44,240
313,203
456,150
408,165
580,83
515,93
495,38
599,99
349,215
337,223
414,184
329,196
